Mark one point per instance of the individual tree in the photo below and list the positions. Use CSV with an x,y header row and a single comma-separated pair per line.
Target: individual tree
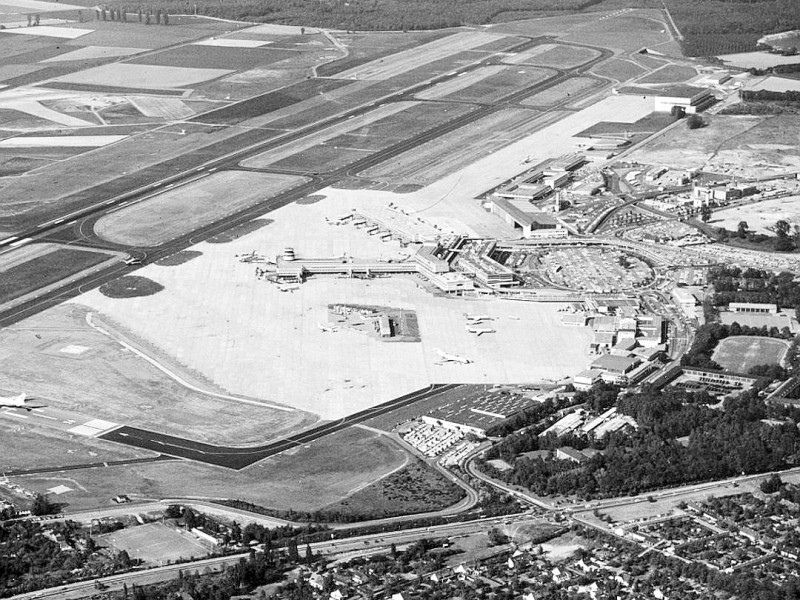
x,y
771,485
705,213
41,505
782,228
742,229
695,121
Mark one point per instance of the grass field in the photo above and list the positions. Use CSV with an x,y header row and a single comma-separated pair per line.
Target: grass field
x,y
307,479
558,56
27,446
498,85
189,207
560,91
109,382
740,146
740,353
196,56
137,76
618,69
759,216
415,488
669,74
431,161
154,543
45,267
130,286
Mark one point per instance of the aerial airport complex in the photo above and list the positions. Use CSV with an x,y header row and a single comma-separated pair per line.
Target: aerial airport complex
x,y
231,251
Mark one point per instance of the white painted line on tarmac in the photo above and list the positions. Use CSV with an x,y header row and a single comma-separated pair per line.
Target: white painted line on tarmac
x,y
13,414
21,242
11,239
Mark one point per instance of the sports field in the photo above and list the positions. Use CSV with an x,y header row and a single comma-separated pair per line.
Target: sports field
x,y
186,208
741,353
154,543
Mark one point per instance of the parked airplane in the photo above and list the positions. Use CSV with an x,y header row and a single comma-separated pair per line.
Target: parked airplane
x,y
453,358
326,328
13,401
478,318
288,287
479,330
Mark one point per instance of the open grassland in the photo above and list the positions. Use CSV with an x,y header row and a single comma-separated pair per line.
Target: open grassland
x,y
363,47
43,265
189,207
731,145
196,56
416,488
26,445
670,74
557,56
498,83
413,58
740,353
431,161
560,92
759,216
66,365
305,479
138,76
154,543
342,144
619,69
627,31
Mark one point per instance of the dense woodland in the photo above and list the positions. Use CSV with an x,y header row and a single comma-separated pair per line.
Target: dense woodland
x,y
721,443
709,27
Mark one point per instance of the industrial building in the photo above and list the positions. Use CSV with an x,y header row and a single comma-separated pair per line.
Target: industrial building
x,y
526,219
686,98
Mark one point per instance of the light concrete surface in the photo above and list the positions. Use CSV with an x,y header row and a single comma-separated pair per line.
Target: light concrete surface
x,y
142,76
250,338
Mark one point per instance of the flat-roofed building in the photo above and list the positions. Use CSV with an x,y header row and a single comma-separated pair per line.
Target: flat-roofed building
x,y
749,307
618,365
526,219
584,380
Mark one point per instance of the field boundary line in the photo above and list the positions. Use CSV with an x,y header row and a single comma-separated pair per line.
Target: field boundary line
x,y
176,377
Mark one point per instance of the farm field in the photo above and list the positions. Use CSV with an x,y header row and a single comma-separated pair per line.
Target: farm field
x,y
740,353
561,91
759,216
361,458
154,543
75,368
201,56
182,210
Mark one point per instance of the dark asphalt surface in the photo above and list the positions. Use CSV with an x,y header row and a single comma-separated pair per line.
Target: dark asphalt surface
x,y
235,458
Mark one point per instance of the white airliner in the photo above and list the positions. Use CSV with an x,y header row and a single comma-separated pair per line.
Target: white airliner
x,y
478,318
284,287
477,330
326,328
13,401
453,358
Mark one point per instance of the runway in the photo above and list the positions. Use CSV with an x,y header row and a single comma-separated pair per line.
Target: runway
x,y
238,458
